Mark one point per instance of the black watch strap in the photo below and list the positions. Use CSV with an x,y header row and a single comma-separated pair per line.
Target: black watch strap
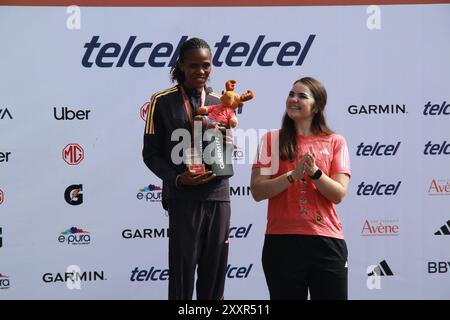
x,y
316,175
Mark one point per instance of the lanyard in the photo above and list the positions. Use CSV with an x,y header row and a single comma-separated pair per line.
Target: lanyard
x,y
187,105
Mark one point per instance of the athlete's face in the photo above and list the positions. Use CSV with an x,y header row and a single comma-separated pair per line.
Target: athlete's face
x,y
300,103
196,67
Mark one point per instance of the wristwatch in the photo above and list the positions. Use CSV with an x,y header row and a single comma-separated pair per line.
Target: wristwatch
x,y
316,175
290,177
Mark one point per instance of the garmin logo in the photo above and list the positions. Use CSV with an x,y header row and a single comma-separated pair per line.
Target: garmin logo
x,y
145,233
240,191
377,109
157,55
74,276
218,143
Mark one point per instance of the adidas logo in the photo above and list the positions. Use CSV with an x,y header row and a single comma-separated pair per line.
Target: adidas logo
x,y
382,269
325,151
444,230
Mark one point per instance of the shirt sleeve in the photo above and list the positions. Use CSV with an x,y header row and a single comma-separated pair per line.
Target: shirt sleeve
x,y
341,158
154,141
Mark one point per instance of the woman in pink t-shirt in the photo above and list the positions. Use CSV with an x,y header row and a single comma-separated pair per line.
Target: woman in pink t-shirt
x,y
303,169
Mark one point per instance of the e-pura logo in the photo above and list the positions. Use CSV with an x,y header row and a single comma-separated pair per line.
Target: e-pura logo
x,y
75,236
4,281
150,193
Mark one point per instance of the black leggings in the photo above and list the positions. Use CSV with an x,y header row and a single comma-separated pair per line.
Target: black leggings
x,y
198,240
294,264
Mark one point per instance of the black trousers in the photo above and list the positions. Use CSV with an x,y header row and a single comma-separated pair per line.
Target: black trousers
x,y
294,264
198,238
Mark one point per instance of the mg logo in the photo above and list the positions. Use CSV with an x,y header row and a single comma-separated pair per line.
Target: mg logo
x,y
73,154
1,196
144,110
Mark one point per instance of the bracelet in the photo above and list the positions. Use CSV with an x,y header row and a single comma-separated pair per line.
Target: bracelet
x,y
316,175
176,182
290,177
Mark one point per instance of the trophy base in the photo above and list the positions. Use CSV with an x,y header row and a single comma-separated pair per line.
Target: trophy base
x,y
218,155
196,168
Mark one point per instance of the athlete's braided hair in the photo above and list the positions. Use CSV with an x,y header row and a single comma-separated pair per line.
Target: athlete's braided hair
x,y
193,43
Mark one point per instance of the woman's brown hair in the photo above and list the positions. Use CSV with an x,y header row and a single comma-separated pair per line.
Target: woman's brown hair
x,y
288,133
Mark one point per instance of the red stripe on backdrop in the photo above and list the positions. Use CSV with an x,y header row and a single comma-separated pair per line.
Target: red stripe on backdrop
x,y
209,3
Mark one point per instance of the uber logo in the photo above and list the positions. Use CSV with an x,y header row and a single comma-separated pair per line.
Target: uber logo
x,y
67,114
378,189
4,156
377,149
73,194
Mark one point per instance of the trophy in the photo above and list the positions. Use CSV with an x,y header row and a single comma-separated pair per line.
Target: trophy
x,y
216,119
193,161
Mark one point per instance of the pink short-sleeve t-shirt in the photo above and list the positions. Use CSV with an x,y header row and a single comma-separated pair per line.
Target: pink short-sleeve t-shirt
x,y
301,208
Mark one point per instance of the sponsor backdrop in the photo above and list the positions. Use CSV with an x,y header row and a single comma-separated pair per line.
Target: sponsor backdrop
x,y
80,213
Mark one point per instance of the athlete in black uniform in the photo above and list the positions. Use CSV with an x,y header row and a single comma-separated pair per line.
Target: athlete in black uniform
x,y
198,204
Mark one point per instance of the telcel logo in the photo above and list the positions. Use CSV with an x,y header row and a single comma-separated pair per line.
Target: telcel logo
x,y
239,232
379,189
436,109
377,149
437,148
153,274
163,54
238,272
